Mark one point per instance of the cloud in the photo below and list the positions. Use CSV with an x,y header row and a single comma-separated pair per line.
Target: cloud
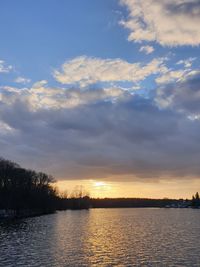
x,y
41,96
85,71
177,75
40,84
131,137
4,68
147,49
187,63
5,128
167,22
171,76
107,132
184,96
22,80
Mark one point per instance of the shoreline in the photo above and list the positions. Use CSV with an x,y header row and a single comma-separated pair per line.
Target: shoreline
x,y
31,214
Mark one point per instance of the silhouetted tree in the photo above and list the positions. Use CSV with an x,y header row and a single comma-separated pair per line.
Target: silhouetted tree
x,y
22,189
77,199
196,201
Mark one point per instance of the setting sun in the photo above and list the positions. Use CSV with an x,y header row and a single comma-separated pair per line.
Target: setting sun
x,y
99,184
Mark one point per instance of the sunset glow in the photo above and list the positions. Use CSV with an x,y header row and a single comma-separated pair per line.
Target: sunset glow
x,y
171,189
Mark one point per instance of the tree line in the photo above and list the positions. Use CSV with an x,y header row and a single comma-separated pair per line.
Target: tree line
x,y
28,192
22,189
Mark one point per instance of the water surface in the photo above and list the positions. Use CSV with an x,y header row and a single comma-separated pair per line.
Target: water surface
x,y
103,237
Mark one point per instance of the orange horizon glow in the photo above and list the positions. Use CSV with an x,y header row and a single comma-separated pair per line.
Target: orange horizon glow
x,y
102,189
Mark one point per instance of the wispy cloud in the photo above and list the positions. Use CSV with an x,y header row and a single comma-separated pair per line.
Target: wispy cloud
x,y
172,75
168,22
87,70
147,49
177,75
5,68
22,80
187,63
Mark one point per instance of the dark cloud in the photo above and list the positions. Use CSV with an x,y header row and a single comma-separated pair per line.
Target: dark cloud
x,y
189,8
132,138
183,96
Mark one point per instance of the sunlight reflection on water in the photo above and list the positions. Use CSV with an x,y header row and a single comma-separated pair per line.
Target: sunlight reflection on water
x,y
104,237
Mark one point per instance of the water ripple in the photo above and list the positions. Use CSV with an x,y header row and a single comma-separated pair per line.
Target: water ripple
x,y
104,237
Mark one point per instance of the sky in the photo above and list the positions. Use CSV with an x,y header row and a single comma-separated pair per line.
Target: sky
x,y
103,94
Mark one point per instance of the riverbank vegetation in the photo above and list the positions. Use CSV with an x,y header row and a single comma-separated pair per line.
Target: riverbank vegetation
x,y
23,190
26,193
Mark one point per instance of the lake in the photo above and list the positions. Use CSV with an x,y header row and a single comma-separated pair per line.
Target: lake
x,y
103,237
